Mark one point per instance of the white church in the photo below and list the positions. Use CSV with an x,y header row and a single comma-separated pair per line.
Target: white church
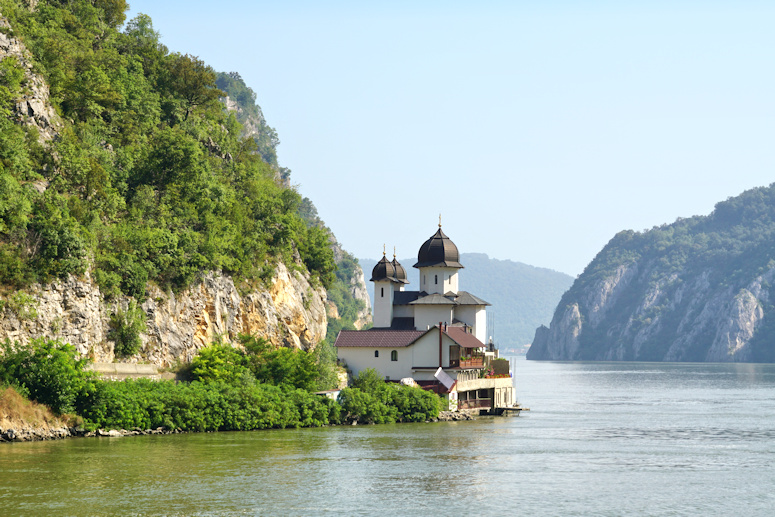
x,y
435,335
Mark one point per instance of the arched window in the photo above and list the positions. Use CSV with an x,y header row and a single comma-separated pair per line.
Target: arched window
x,y
376,353
436,278
394,355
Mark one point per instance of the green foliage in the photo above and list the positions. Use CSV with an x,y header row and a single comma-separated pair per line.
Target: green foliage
x,y
47,371
190,82
250,114
372,400
212,406
224,396
150,176
22,304
369,380
287,367
125,329
220,362
327,369
11,76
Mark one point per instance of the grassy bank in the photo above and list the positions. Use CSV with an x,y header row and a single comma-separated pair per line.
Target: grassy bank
x,y
230,389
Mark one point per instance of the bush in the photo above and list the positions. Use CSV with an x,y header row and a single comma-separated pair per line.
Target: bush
x,y
125,329
196,406
47,371
373,400
219,362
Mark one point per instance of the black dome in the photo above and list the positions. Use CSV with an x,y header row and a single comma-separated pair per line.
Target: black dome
x,y
384,270
400,272
440,251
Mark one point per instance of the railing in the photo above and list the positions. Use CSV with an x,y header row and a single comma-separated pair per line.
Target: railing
x,y
474,404
474,362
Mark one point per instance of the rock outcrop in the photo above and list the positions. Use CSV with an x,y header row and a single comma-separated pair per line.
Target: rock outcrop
x,y
359,292
673,320
701,289
289,312
33,107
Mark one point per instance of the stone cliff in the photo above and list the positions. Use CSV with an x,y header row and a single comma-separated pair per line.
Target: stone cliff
x,y
289,312
700,289
32,107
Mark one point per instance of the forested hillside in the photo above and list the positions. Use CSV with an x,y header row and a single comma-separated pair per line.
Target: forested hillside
x,y
700,289
522,296
120,159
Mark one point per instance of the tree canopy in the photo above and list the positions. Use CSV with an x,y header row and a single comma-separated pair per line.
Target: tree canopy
x,y
150,178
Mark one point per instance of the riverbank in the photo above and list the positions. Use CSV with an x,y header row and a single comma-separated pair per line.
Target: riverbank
x,y
43,425
24,421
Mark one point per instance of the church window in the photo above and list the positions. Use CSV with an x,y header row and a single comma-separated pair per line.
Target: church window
x,y
394,355
436,278
382,292
376,353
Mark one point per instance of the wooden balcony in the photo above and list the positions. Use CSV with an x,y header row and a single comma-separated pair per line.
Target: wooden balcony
x,y
473,362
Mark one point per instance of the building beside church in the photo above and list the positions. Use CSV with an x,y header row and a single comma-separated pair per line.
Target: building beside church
x,y
435,335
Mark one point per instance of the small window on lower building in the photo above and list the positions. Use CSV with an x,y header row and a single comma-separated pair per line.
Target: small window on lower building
x,y
394,355
376,353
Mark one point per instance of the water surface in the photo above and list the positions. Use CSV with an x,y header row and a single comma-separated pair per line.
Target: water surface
x,y
601,439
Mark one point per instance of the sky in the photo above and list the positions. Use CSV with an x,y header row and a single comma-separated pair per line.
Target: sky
x,y
536,129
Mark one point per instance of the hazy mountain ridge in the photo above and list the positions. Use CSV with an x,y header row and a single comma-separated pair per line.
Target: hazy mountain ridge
x,y
522,296
699,289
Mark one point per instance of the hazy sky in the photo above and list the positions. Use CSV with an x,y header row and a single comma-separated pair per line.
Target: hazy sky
x,y
537,129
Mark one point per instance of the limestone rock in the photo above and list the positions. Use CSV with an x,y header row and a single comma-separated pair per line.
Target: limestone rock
x,y
359,292
33,108
670,318
290,312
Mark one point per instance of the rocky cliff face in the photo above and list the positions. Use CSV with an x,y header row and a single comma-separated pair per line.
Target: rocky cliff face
x,y
290,312
359,291
642,310
33,107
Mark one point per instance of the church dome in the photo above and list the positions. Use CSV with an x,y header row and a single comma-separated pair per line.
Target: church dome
x,y
400,272
384,270
438,251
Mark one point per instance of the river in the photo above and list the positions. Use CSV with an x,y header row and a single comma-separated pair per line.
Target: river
x,y
601,439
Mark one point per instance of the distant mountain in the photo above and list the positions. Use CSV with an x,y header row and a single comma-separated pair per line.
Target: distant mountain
x,y
522,296
700,289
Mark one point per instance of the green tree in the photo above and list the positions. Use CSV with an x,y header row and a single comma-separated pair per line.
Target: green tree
x,y
48,371
125,329
192,81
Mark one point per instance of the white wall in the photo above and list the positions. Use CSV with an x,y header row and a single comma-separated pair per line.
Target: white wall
x,y
447,276
430,315
480,327
383,303
360,358
476,317
425,351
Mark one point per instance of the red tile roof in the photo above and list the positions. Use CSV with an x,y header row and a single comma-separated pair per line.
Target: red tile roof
x,y
375,338
463,338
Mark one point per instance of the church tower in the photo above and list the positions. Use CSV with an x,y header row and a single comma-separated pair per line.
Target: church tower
x,y
388,277
438,261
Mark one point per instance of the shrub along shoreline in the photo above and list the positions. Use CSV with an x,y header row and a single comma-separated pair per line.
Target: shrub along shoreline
x,y
230,389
